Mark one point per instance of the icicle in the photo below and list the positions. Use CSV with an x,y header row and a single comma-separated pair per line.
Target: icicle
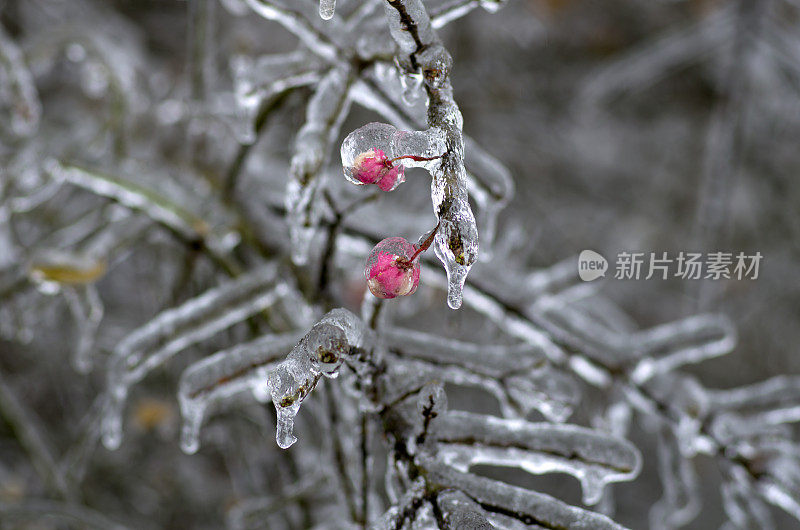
x,y
319,353
326,9
592,457
178,328
225,376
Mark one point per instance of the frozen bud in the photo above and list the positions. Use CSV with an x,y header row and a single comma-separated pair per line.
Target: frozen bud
x,y
327,346
393,268
374,167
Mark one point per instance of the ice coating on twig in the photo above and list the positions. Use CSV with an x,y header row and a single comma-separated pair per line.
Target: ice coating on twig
x,y
422,53
489,183
517,375
680,500
258,80
324,115
520,504
176,329
320,352
595,459
460,511
491,186
293,21
455,9
20,108
84,303
226,376
394,143
675,344
191,224
742,504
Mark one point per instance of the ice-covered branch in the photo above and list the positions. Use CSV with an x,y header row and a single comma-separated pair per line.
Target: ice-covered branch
x,y
319,353
324,115
176,329
466,439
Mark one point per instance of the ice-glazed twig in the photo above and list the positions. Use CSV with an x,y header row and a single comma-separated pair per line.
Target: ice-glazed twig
x,y
422,53
488,359
22,112
675,344
455,9
84,303
527,506
186,224
489,183
594,458
178,328
32,438
319,353
225,377
655,59
74,514
295,22
324,116
742,503
245,513
459,511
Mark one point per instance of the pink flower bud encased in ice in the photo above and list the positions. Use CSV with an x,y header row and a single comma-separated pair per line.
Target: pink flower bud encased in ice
x,y
389,269
374,167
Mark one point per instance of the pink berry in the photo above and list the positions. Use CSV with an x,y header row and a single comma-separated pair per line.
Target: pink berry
x,y
374,167
390,270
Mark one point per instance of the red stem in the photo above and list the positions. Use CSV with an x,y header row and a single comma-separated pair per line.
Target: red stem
x,y
411,157
427,243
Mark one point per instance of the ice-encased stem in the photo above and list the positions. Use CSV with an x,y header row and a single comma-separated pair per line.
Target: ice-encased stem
x,y
456,243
